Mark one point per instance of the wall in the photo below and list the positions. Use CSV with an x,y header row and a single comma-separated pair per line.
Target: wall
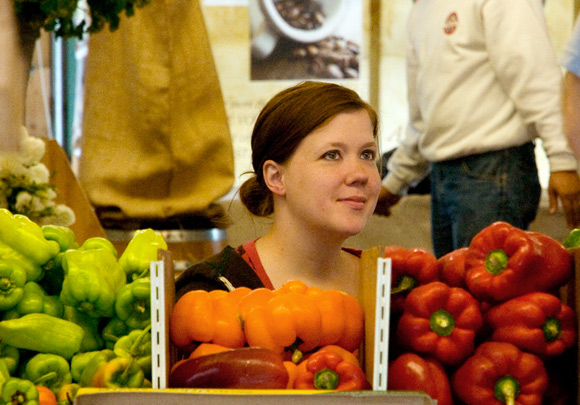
x,y
382,80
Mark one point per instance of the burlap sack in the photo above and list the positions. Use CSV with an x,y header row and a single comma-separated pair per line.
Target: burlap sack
x,y
156,141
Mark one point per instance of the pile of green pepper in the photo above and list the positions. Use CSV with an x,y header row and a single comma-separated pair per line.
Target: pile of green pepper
x,y
72,315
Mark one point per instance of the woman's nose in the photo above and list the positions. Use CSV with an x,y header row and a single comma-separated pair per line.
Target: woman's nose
x,y
358,171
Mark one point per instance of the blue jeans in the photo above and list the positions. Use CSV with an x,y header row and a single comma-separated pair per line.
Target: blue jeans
x,y
470,193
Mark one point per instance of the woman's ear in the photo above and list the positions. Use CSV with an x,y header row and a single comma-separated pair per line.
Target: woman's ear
x,y
273,177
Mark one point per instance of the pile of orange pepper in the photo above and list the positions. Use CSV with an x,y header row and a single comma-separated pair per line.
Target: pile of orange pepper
x,y
313,331
491,328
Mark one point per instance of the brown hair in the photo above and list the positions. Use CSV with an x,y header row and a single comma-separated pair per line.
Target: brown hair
x,y
284,122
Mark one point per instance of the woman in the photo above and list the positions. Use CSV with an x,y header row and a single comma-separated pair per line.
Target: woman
x,y
314,149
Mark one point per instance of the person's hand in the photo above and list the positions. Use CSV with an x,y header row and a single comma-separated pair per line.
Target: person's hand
x,y
385,202
565,185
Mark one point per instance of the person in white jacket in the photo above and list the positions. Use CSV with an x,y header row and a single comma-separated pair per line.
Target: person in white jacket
x,y
571,97
483,85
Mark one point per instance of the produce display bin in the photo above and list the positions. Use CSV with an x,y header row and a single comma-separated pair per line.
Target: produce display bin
x,y
263,397
374,297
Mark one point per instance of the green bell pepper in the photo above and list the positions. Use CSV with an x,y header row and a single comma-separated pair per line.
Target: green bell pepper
x,y
97,361
573,239
19,391
97,242
92,339
23,243
113,331
53,275
120,372
62,235
79,362
4,373
12,280
53,271
133,303
138,346
10,355
35,301
49,370
42,333
91,280
140,252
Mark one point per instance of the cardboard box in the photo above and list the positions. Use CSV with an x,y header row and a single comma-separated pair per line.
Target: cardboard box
x,y
374,298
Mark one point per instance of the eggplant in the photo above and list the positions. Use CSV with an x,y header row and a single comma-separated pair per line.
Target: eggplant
x,y
243,368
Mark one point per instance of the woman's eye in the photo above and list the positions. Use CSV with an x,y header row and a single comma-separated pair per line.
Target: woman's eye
x,y
368,155
332,155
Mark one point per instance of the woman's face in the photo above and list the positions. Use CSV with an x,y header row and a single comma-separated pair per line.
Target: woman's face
x,y
331,182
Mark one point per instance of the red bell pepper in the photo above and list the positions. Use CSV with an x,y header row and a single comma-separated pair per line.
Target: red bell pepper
x,y
330,370
411,372
451,268
537,322
500,373
557,264
440,320
504,262
409,269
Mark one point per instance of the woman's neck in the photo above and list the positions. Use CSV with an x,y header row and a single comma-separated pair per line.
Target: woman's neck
x,y
319,262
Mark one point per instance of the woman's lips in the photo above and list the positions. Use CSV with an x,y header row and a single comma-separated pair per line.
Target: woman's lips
x,y
355,202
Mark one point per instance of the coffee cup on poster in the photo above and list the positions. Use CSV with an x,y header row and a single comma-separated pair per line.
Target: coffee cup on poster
x,y
268,25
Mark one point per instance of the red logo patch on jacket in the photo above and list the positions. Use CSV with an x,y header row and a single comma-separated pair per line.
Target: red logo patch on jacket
x,y
450,24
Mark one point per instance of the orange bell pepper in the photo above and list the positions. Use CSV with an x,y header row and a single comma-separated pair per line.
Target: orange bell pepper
x,y
287,321
342,318
202,316
328,369
292,369
207,348
255,298
341,314
297,286
45,396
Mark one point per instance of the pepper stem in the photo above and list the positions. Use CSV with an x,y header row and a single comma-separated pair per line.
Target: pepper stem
x,y
296,355
46,377
496,261
441,322
5,284
552,329
137,343
507,389
326,379
18,397
404,284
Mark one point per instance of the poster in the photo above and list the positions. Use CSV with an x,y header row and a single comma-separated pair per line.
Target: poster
x,y
248,82
305,39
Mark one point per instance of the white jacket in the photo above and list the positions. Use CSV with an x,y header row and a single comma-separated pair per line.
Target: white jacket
x,y
482,76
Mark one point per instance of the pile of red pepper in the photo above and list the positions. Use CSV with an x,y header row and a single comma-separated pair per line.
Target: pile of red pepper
x,y
485,324
293,337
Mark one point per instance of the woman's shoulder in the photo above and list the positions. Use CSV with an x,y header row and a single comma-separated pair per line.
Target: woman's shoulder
x,y
222,271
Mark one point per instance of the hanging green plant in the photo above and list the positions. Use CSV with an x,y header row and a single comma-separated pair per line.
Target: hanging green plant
x,y
74,18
